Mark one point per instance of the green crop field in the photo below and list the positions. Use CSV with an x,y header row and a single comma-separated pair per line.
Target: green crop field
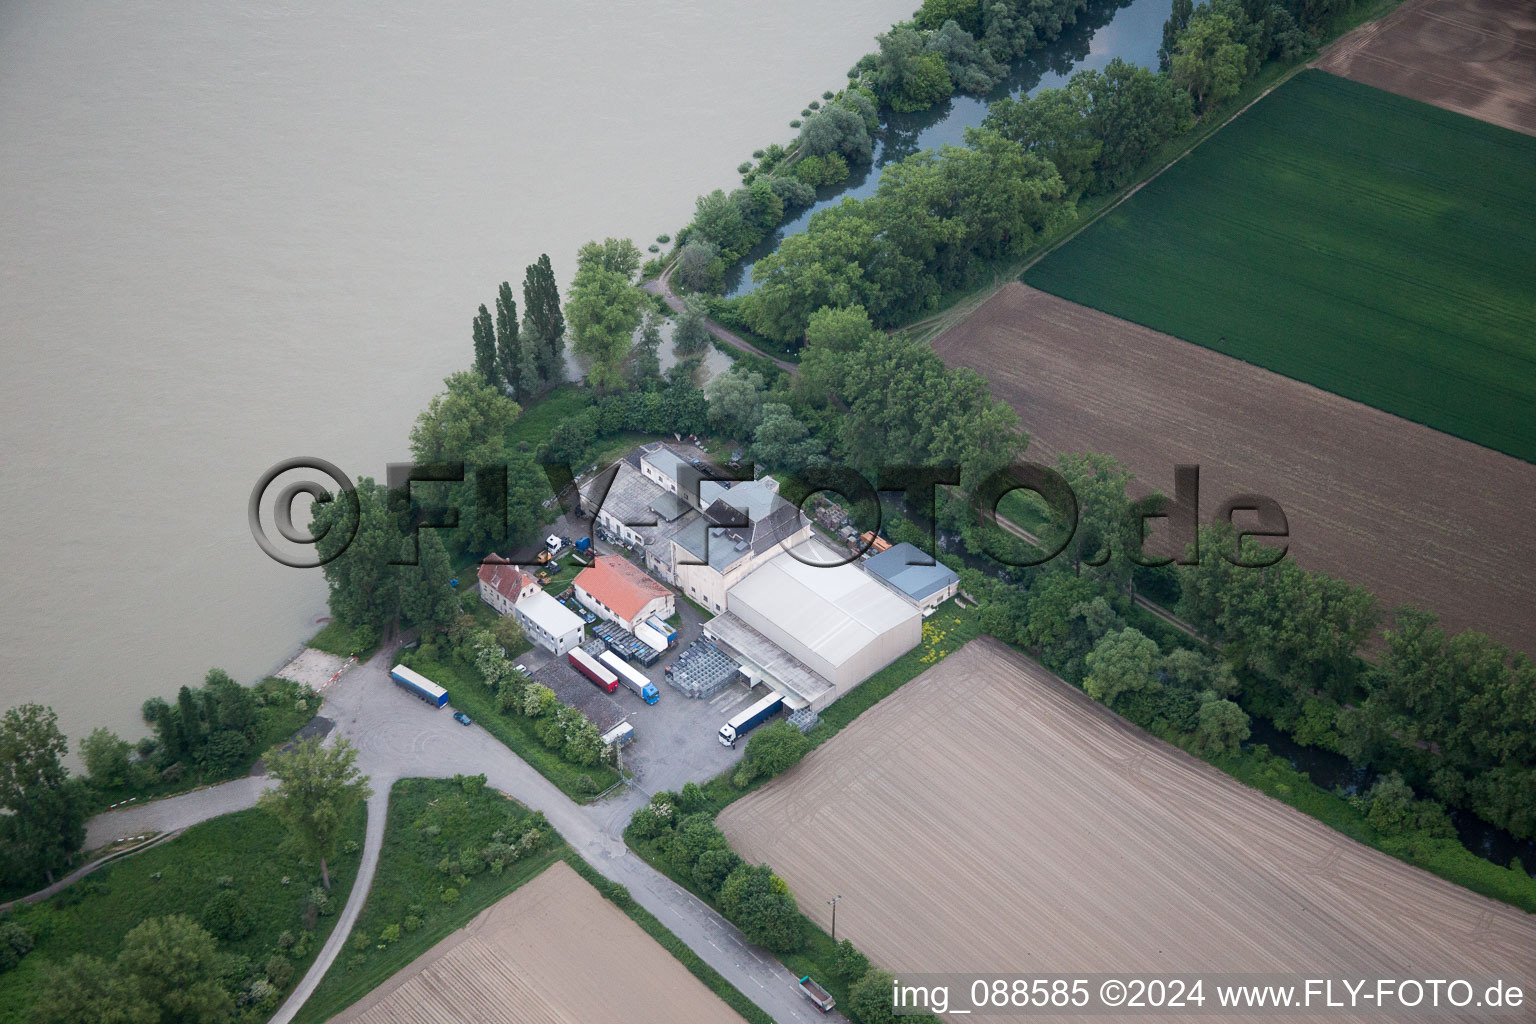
x,y
1365,243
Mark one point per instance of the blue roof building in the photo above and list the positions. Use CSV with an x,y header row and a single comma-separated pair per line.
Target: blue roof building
x,y
919,577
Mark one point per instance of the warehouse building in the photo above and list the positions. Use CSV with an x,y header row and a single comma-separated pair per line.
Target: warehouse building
x,y
620,591
918,577
814,631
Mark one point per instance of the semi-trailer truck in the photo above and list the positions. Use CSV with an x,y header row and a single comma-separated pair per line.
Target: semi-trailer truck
x,y
594,670
634,680
745,721
418,685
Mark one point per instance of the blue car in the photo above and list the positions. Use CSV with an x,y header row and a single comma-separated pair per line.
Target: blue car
x,y
462,718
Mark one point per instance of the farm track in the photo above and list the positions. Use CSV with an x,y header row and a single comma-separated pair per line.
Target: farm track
x,y
988,817
1414,515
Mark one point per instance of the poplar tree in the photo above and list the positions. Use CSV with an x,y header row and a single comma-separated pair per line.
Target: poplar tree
x,y
485,346
541,308
507,341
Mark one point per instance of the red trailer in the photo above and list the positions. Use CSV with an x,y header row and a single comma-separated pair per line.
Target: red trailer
x,y
593,669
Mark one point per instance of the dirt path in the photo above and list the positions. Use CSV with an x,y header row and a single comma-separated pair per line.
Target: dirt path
x,y
397,737
663,286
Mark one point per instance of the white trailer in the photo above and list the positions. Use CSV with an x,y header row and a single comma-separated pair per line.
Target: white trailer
x,y
631,677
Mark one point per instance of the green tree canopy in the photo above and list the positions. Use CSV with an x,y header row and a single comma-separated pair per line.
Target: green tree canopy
x,y
318,785
603,309
1120,662
46,823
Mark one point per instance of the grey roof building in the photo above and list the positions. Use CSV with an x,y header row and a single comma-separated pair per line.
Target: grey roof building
x,y
813,626
920,578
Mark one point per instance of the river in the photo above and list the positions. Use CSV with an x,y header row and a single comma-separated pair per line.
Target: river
x,y
1131,30
238,233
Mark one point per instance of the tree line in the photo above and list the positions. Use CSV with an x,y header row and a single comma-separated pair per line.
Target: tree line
x,y
1443,715
938,217
521,358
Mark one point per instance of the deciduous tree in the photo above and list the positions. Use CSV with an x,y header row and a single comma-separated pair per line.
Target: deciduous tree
x,y
318,786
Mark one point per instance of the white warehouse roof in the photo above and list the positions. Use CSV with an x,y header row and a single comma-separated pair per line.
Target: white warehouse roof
x,y
836,619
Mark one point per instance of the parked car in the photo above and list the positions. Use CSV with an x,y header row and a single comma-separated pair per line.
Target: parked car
x,y
462,718
522,668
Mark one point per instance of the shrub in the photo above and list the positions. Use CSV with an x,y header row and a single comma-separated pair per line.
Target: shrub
x,y
646,824
360,940
260,993
391,933
851,964
814,105
743,167
795,123
827,95
822,170
286,940
664,239
772,749
450,896
411,923
15,943
279,971
759,903
586,784
713,867
227,916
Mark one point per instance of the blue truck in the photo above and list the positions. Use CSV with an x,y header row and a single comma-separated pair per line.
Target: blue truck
x,y
418,685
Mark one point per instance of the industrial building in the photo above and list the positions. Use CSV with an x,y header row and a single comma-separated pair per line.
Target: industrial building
x,y
918,577
620,591
700,535
814,631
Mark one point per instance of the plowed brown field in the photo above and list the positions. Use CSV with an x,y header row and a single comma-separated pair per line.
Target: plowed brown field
x,y
1415,515
1476,57
553,952
989,817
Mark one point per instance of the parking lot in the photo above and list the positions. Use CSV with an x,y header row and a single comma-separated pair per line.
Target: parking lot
x,y
675,738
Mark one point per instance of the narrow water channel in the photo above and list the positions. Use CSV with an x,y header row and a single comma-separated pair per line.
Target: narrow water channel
x,y
1105,30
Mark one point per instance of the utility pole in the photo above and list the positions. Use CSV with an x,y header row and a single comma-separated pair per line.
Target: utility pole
x,y
833,904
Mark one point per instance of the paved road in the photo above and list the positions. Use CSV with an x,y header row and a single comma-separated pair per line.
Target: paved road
x,y
399,737
175,812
